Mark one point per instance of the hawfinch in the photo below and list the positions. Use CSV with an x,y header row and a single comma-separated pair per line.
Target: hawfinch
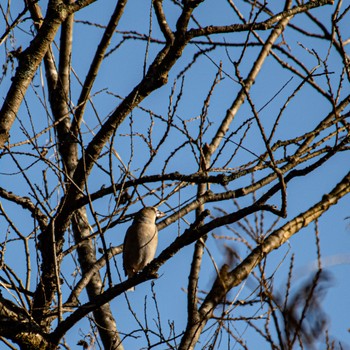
x,y
140,242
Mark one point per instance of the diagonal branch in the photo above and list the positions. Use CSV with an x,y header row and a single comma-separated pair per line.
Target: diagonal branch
x,y
28,63
230,279
268,24
156,76
227,279
96,63
163,24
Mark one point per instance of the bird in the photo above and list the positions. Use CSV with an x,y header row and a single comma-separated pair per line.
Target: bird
x,y
141,240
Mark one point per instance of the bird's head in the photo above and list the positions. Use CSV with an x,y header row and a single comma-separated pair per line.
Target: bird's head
x,y
148,214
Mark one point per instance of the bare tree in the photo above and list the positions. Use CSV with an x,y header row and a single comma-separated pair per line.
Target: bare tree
x,y
200,108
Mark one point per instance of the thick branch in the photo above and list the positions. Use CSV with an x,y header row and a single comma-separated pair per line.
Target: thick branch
x,y
28,63
230,279
87,259
163,24
156,76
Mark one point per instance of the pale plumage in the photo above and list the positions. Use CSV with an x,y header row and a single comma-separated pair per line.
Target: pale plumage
x,y
141,240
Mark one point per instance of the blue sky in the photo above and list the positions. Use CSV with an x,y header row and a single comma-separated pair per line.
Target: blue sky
x,y
119,74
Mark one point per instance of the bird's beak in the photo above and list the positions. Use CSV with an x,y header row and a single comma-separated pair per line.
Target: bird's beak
x,y
159,214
